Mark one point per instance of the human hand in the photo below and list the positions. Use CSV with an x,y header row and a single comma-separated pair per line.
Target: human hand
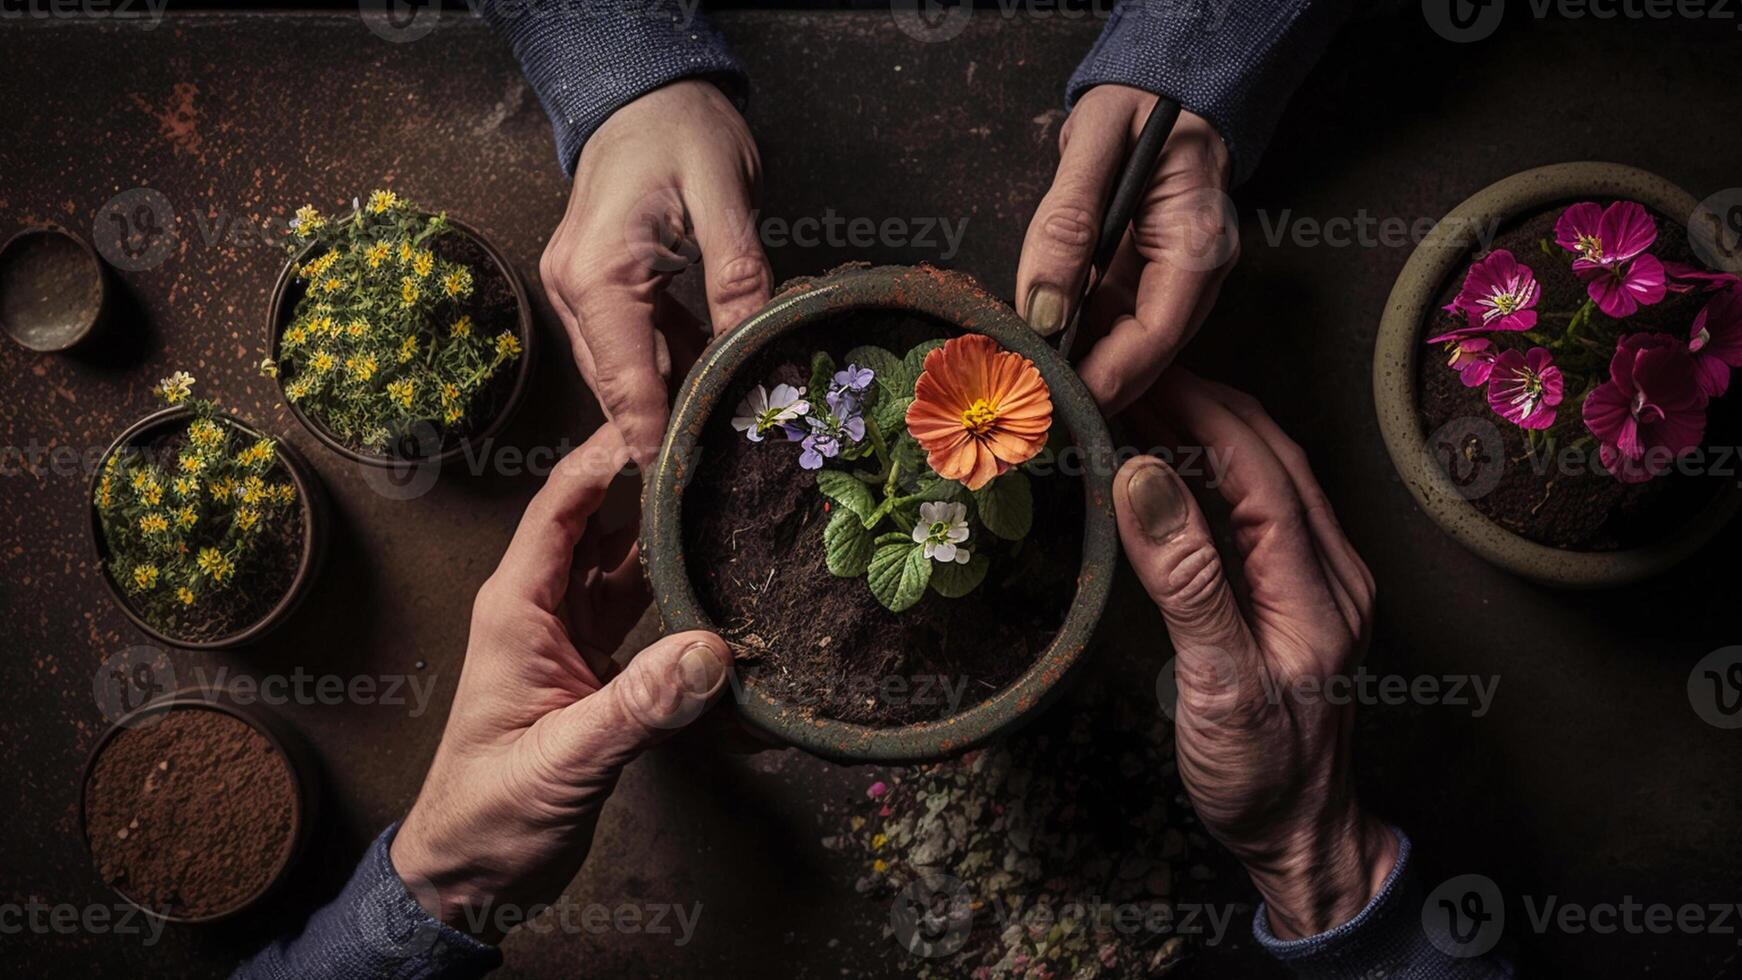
x,y
1263,754
1164,277
543,720
668,179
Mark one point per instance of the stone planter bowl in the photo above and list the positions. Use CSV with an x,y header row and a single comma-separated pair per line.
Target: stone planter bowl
x,y
1442,255
955,301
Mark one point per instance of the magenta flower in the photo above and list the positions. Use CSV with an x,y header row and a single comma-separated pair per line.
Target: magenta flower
x,y
1716,341
1684,278
1611,243
1650,411
1605,236
1498,295
1525,388
1473,359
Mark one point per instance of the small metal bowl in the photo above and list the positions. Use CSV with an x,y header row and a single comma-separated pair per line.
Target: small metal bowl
x,y
298,758
53,293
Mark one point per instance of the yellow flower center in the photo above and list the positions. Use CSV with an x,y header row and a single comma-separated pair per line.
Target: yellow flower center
x,y
979,417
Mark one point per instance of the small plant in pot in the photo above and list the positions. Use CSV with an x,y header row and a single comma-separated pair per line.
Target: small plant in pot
x,y
397,335
208,531
1565,428
893,499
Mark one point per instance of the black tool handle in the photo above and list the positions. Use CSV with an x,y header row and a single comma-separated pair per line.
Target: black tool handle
x,y
1133,181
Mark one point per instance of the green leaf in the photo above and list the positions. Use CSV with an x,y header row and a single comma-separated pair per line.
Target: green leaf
x,y
847,490
894,537
898,575
952,580
905,449
1006,505
938,488
847,544
890,412
915,359
822,375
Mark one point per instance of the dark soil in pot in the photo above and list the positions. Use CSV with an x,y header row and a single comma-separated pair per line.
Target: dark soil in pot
x,y
260,584
191,814
1580,507
753,542
494,306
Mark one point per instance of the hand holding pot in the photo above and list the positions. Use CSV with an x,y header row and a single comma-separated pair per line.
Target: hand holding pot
x,y
1164,278
667,180
1262,751
544,721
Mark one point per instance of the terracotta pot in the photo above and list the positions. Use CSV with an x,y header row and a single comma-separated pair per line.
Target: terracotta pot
x,y
298,758
1443,254
954,300
311,498
287,292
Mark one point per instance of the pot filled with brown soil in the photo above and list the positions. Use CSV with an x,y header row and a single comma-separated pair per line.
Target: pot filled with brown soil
x,y
194,809
1551,376
894,501
397,336
207,531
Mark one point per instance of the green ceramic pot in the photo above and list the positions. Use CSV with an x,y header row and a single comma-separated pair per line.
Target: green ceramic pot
x,y
957,301
1442,255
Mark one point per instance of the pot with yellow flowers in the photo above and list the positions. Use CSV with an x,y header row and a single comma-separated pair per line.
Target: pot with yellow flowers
x,y
893,500
208,532
396,335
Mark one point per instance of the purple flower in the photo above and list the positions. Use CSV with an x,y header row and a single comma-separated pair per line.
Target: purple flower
x,y
1473,359
1610,243
1525,388
1498,295
1716,341
841,425
854,378
1684,278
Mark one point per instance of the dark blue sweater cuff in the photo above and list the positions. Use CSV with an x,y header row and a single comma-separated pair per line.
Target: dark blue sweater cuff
x,y
1386,939
587,60
375,928
1235,64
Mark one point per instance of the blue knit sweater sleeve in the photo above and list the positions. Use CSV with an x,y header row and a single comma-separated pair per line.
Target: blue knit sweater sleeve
x,y
376,929
1235,63
586,60
1396,935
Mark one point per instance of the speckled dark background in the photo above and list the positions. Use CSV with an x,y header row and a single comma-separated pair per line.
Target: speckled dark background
x,y
1591,779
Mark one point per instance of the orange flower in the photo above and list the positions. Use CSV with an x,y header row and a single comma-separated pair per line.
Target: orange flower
x,y
978,410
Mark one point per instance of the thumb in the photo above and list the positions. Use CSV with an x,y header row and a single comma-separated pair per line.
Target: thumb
x,y
665,688
1169,545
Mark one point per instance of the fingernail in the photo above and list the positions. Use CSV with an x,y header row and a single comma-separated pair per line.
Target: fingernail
x,y
1046,309
703,668
1159,501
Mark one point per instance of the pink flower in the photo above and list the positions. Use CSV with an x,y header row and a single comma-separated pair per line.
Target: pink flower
x,y
877,789
1684,278
1473,359
1605,236
1716,341
1610,243
1525,388
1650,411
1498,295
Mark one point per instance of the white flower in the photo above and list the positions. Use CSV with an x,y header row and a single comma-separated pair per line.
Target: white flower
x,y
761,410
176,387
942,528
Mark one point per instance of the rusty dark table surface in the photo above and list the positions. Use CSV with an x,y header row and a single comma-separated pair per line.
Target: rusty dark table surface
x,y
1590,779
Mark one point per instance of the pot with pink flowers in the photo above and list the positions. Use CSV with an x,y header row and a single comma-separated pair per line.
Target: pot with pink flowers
x,y
1552,375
